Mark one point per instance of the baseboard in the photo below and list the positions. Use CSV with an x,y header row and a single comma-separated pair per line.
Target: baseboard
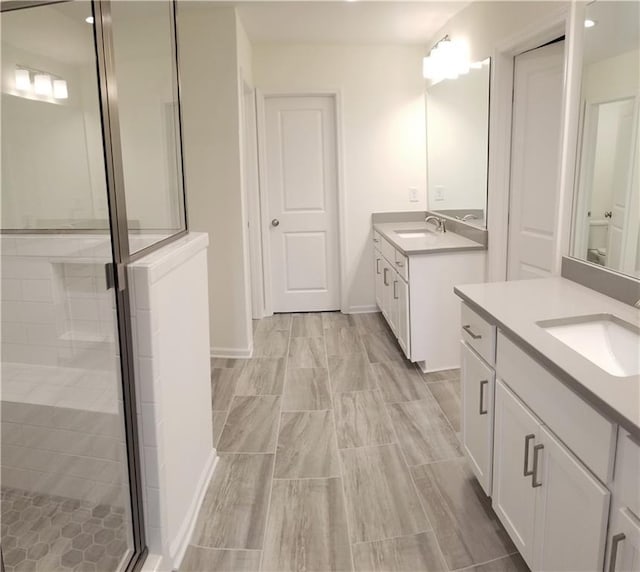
x,y
153,563
362,309
241,353
178,547
423,367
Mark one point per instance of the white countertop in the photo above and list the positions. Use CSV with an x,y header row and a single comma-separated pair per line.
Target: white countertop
x,y
517,306
432,243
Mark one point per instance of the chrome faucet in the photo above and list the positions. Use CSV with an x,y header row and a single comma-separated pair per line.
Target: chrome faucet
x,y
469,217
440,224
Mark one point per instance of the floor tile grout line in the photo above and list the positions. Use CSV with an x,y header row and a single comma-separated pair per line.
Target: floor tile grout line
x,y
338,454
387,538
475,564
275,455
226,549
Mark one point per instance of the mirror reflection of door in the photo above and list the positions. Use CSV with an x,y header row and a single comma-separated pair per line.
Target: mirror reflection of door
x,y
609,142
607,212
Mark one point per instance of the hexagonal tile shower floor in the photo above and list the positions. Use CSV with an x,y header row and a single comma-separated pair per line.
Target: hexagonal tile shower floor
x,y
43,533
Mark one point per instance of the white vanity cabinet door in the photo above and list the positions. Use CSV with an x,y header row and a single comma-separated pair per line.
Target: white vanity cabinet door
x,y
378,277
404,325
393,299
514,499
571,510
478,382
388,302
624,542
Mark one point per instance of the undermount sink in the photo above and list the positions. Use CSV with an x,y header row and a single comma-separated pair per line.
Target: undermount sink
x,y
420,233
605,340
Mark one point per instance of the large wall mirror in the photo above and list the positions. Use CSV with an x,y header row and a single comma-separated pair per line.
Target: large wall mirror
x,y
606,229
458,145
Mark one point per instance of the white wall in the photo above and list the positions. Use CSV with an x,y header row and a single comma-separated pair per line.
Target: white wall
x,y
458,132
209,60
169,310
383,134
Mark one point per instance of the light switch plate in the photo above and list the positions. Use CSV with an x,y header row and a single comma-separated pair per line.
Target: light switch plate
x,y
439,193
413,195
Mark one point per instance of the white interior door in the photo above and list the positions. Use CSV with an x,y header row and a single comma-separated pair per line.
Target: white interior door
x,y
301,179
535,157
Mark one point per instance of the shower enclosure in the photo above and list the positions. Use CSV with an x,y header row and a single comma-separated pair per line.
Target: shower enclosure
x,y
91,180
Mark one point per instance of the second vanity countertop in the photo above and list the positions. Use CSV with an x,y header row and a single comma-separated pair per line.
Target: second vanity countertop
x,y
516,307
432,243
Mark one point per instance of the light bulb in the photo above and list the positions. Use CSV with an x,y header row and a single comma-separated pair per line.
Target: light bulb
x,y
589,23
60,89
89,19
42,84
23,80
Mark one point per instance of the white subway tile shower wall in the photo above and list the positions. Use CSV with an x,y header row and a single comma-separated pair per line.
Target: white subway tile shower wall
x,y
61,411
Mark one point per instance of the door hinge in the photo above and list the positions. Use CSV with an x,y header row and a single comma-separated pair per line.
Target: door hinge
x,y
115,276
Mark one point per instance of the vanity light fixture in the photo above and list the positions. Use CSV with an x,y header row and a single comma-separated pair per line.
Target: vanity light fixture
x,y
42,84
23,80
589,23
60,89
448,59
89,20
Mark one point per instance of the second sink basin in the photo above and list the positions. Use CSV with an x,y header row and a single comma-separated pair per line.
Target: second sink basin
x,y
605,340
420,233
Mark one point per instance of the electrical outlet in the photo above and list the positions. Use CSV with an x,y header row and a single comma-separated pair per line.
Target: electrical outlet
x,y
439,193
413,195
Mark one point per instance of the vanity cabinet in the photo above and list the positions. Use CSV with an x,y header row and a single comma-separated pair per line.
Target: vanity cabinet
x,y
392,290
415,295
477,388
545,457
553,508
624,527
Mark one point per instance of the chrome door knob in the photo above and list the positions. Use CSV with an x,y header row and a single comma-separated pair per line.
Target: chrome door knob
x,y
275,222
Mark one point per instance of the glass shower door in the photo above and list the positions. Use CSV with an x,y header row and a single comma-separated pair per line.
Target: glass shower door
x,y
65,471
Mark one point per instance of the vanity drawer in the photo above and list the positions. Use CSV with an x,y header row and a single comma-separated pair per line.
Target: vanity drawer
x,y
627,475
402,265
388,251
479,334
582,429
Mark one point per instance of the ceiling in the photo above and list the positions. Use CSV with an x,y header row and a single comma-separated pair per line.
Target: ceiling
x,y
617,29
346,22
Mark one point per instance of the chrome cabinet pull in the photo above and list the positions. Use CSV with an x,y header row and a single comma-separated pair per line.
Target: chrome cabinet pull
x,y
377,266
483,411
376,240
467,329
400,263
615,542
384,276
275,222
534,478
395,293
526,472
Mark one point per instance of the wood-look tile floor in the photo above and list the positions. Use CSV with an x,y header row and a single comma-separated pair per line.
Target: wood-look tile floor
x,y
338,454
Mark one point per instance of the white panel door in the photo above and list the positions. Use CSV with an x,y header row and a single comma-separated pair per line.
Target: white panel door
x,y
514,499
478,381
301,178
572,511
535,159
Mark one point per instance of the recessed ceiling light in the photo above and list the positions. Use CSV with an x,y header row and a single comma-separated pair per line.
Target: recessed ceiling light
x,y
589,23
89,19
